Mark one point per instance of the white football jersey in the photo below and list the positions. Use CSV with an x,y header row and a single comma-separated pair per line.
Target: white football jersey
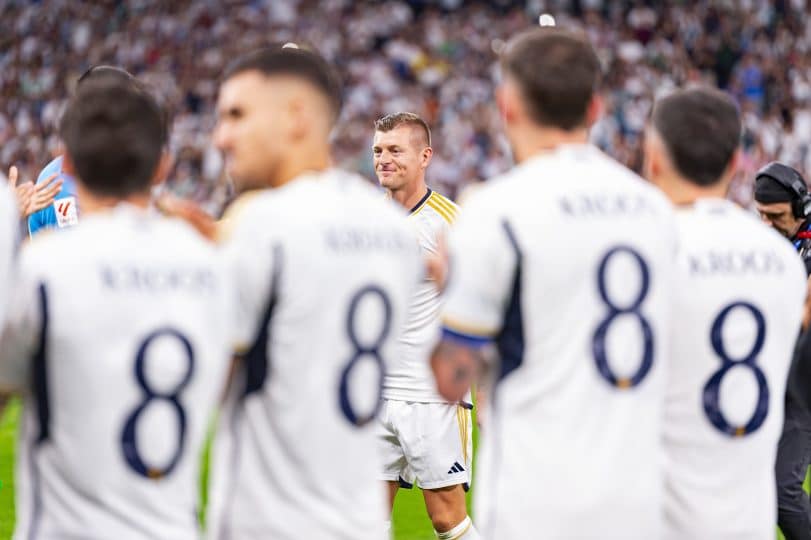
x,y
409,376
8,241
735,320
119,336
326,271
566,262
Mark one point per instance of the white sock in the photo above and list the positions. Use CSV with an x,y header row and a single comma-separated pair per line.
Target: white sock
x,y
387,528
463,531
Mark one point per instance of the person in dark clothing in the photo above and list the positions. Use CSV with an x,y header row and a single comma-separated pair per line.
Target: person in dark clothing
x,y
783,202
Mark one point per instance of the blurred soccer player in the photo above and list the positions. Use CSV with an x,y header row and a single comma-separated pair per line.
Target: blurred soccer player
x,y
564,262
326,270
122,349
736,316
8,240
423,437
56,206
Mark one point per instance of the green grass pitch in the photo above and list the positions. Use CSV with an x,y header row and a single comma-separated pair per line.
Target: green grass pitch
x,y
410,519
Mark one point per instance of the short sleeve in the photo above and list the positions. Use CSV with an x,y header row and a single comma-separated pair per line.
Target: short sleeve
x,y
8,242
251,258
24,324
483,260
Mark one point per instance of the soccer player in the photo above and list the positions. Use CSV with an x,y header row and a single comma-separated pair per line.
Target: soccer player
x,y
736,316
8,241
423,437
326,270
122,350
60,209
565,264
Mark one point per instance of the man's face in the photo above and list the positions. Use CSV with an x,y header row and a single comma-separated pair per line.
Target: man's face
x,y
250,129
400,157
779,217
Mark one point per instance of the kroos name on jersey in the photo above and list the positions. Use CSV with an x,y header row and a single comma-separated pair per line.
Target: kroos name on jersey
x,y
735,262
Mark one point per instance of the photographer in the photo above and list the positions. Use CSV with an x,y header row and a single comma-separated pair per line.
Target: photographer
x,y
783,202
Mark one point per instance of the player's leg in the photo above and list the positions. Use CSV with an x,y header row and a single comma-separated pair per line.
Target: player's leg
x,y
438,449
793,506
448,512
394,472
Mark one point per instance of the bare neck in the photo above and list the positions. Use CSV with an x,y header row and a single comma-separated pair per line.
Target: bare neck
x,y
681,192
313,158
409,196
531,140
93,203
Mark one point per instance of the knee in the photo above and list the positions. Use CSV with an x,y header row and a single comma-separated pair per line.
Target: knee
x,y
445,520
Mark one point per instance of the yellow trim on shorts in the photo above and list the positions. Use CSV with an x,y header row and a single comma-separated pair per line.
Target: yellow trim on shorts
x,y
461,419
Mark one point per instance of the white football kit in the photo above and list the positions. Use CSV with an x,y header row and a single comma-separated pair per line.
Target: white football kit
x,y
326,270
565,263
422,437
8,241
736,317
119,336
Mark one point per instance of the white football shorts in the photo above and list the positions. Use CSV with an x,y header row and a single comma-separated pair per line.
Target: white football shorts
x,y
430,444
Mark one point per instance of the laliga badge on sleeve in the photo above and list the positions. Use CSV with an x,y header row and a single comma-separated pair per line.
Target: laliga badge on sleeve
x,y
67,214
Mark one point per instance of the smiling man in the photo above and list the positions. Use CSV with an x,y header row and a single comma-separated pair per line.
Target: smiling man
x,y
424,438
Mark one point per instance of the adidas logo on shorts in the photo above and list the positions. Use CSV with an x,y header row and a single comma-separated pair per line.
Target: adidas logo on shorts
x,y
456,468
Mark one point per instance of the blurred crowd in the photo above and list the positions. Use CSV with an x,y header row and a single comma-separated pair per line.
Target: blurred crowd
x,y
436,58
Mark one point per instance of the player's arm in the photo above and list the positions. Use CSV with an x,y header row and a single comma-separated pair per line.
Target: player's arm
x,y
23,333
254,264
481,270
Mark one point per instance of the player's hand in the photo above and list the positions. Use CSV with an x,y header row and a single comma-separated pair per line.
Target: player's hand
x,y
30,197
437,264
455,368
44,194
23,193
189,212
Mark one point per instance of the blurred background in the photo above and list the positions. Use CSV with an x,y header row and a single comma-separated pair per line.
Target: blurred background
x,y
436,58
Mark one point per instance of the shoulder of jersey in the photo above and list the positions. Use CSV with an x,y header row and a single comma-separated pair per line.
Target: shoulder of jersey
x,y
438,207
54,166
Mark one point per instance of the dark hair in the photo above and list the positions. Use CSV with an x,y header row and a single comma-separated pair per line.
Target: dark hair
x,y
391,121
123,76
701,129
557,72
114,133
301,63
102,70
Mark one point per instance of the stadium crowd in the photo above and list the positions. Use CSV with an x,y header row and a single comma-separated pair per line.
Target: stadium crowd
x,y
436,58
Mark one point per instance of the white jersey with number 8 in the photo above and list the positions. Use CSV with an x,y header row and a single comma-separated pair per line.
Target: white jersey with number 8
x,y
326,270
565,263
735,320
119,336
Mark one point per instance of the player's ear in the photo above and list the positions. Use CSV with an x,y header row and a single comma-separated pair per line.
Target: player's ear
x,y
506,102
595,109
163,169
427,152
731,168
67,165
652,157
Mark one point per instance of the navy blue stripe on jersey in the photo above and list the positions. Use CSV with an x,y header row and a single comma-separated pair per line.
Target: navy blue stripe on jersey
x,y
39,390
468,340
39,379
256,359
403,484
510,339
422,201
